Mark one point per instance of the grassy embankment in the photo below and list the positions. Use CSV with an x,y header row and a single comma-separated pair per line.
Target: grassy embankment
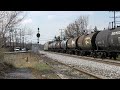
x,y
3,65
31,61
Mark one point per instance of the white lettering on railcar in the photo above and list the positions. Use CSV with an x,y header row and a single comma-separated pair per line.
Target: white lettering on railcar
x,y
87,40
73,42
115,33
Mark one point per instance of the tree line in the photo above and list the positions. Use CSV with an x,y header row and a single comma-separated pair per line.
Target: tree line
x,y
78,28
10,31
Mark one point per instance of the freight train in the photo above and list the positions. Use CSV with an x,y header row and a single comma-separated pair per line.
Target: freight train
x,y
104,44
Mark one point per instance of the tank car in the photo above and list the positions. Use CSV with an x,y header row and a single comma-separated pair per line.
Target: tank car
x,y
100,43
50,46
72,45
53,44
64,45
58,46
46,46
114,40
108,43
86,43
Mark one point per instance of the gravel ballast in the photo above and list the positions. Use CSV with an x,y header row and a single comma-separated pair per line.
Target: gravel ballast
x,y
101,69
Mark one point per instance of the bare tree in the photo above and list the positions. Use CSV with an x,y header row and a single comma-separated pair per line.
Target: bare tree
x,y
9,20
82,22
78,28
69,31
95,29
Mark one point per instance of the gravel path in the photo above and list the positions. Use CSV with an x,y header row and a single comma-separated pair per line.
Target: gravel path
x,y
97,68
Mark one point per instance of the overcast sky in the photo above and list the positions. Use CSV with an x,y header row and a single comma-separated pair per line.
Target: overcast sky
x,y
50,22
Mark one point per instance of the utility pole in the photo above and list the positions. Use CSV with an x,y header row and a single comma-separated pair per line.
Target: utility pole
x,y
23,41
20,38
114,20
77,28
15,38
61,33
23,35
10,37
114,16
31,44
110,24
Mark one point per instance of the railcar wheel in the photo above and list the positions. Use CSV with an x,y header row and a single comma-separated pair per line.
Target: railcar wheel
x,y
69,52
114,56
110,57
78,53
91,54
73,52
103,55
81,53
94,54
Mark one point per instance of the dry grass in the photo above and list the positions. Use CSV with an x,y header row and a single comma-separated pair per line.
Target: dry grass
x,y
32,61
19,60
2,54
3,66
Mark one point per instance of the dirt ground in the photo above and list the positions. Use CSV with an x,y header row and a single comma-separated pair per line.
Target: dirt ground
x,y
27,66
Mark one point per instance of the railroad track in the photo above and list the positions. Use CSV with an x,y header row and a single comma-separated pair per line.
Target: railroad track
x,y
82,71
106,61
51,66
77,69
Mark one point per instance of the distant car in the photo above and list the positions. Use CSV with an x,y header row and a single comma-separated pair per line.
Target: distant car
x,y
23,49
17,49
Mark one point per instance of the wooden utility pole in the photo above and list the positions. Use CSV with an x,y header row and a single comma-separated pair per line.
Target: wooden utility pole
x,y
10,37
77,28
114,20
15,38
23,41
20,38
114,16
61,34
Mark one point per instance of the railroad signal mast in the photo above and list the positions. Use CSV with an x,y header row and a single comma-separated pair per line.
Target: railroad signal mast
x,y
38,36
